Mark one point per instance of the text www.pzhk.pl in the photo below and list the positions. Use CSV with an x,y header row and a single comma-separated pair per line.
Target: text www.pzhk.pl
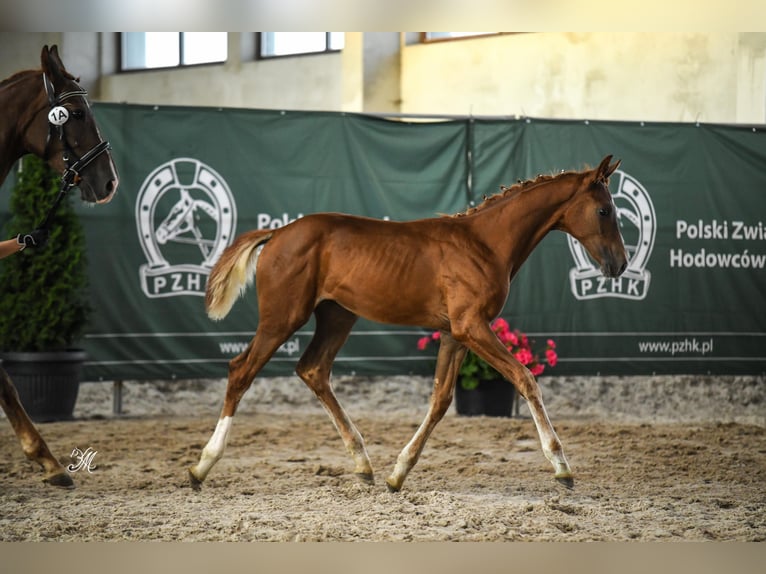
x,y
692,346
232,348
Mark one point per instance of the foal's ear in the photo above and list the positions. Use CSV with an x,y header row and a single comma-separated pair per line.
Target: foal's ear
x,y
51,62
604,169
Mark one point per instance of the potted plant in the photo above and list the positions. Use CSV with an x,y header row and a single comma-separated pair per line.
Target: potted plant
x,y
480,389
44,306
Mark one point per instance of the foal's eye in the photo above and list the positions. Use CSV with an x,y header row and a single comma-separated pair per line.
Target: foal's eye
x,y
79,114
603,211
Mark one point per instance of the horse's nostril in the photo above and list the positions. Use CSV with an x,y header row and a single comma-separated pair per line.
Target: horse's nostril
x,y
111,185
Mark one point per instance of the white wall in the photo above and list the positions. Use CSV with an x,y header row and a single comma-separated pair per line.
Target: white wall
x,y
313,82
719,77
21,50
707,77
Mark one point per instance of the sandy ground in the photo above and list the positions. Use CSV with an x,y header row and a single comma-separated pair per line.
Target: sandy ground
x,y
655,458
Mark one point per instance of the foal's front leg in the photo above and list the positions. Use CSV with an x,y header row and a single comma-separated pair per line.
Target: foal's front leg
x,y
448,361
483,341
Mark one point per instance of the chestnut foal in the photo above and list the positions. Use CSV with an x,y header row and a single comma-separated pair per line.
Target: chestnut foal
x,y
448,273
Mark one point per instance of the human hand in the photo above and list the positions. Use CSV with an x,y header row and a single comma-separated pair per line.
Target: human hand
x,y
36,238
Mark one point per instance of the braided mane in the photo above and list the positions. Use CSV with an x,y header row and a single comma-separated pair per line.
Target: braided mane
x,y
518,187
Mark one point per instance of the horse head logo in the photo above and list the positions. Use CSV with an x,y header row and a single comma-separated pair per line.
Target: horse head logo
x,y
186,217
182,221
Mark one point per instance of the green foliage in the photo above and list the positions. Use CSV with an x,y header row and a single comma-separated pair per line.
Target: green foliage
x,y
43,290
474,370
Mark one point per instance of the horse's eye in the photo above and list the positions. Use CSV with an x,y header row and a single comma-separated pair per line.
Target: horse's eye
x,y
79,114
604,211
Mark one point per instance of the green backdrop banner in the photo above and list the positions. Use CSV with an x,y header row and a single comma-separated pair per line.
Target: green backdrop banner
x,y
691,200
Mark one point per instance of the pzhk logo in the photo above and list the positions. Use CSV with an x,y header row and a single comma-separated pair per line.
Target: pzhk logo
x,y
186,217
635,208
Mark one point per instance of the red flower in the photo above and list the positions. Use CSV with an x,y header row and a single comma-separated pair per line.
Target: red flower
x,y
500,325
474,369
505,337
524,356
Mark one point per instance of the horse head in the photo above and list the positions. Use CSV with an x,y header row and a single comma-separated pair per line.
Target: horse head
x,y
73,143
177,221
591,218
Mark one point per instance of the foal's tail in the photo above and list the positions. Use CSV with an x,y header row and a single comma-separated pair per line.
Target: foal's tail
x,y
233,272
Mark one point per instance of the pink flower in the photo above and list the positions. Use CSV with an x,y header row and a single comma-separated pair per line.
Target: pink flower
x,y
505,337
517,343
551,357
524,356
537,369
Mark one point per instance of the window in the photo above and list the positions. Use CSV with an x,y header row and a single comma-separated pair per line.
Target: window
x,y
290,43
143,50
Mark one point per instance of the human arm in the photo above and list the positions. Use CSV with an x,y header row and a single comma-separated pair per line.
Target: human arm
x,y
36,238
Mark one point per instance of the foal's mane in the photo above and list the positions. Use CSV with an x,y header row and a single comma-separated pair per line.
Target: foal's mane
x,y
515,189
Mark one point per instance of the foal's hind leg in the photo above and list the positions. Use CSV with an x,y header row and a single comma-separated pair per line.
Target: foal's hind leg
x,y
32,443
242,370
448,361
333,324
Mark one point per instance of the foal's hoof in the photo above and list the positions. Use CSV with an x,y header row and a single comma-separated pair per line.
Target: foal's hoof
x,y
194,482
365,477
392,486
566,480
60,480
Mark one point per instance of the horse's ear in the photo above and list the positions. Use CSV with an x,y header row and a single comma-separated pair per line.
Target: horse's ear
x,y
613,167
44,58
604,169
51,62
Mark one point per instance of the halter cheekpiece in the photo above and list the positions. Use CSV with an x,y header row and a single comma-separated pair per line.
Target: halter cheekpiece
x,y
58,116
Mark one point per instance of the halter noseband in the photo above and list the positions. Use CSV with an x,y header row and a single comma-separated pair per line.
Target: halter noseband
x,y
57,118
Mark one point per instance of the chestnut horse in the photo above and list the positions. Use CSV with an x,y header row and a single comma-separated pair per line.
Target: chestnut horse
x,y
450,274
46,113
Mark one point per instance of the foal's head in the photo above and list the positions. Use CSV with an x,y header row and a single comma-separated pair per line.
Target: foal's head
x,y
591,218
69,138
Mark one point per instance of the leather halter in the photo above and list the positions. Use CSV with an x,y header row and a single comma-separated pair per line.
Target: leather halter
x,y
71,174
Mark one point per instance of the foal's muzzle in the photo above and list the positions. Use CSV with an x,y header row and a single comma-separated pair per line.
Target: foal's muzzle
x,y
614,267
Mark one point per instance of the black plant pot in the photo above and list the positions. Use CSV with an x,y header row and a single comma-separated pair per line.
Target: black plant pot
x,y
491,398
47,381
